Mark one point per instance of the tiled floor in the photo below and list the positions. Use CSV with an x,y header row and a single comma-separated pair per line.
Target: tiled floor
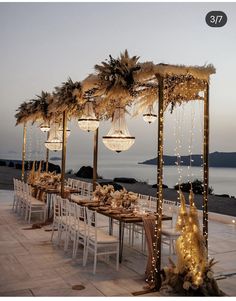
x,y
31,265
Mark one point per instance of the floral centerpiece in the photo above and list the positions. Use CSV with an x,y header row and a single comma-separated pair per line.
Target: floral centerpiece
x,y
48,179
123,198
103,193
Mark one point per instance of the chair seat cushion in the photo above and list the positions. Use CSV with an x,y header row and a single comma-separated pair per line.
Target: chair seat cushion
x,y
102,237
35,202
170,232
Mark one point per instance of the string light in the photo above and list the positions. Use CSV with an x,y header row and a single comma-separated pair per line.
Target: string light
x,y
29,148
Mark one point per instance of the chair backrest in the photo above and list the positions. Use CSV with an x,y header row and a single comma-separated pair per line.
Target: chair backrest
x,y
87,189
72,209
153,203
81,213
92,223
27,191
143,201
64,207
56,206
143,196
75,183
18,185
70,182
169,208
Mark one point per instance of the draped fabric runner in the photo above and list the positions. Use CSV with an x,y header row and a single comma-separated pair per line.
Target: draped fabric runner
x,y
149,227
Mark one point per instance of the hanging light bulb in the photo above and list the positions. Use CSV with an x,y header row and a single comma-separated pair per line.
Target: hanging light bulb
x,y
118,138
88,121
45,127
54,142
149,116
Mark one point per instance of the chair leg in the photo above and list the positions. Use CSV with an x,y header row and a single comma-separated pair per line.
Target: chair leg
x,y
52,231
86,254
74,248
95,261
29,215
117,257
26,213
170,248
66,242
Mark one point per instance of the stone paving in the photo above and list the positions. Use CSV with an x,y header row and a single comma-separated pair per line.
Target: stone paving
x,y
31,265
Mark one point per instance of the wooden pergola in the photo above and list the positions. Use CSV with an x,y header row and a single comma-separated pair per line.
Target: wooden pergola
x,y
125,82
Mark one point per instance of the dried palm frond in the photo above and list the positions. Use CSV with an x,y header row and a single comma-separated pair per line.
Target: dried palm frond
x,y
198,72
67,97
35,109
145,73
115,82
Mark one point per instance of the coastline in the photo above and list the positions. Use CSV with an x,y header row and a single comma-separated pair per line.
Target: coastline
x,y
216,204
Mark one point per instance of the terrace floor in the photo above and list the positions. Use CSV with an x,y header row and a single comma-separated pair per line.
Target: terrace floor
x,y
32,266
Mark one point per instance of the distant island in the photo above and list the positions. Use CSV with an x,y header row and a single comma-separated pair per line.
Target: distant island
x,y
216,159
55,158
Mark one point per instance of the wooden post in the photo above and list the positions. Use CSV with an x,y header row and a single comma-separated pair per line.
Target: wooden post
x,y
23,153
63,158
206,164
159,181
47,154
95,158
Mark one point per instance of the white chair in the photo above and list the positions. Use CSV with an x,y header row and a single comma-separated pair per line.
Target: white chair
x,y
71,224
64,208
56,216
80,231
98,241
70,182
32,205
138,228
169,233
87,189
18,194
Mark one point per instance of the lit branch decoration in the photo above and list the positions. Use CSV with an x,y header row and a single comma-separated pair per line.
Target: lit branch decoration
x,y
193,274
182,88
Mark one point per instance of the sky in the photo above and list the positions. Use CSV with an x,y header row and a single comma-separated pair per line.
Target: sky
x,y
42,44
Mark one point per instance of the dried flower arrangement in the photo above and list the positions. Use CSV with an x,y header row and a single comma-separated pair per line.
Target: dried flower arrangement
x,y
123,198
120,82
193,273
103,193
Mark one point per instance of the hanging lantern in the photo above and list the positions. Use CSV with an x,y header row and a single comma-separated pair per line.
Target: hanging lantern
x,y
54,142
88,121
149,117
45,127
118,138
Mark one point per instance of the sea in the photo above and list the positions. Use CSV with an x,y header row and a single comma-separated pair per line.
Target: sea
x,y
222,180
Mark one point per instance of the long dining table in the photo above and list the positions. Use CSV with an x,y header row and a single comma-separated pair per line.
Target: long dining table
x,y
122,218
50,191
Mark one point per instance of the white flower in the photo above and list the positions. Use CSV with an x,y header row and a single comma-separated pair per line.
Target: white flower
x,y
186,285
210,274
116,195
